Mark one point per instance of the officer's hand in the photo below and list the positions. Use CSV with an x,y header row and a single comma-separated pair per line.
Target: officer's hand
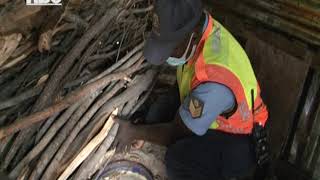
x,y
137,144
125,136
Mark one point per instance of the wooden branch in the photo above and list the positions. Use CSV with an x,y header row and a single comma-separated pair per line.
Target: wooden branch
x,y
103,56
68,16
22,48
106,159
68,61
12,154
66,102
120,62
141,101
24,138
63,28
10,115
21,97
45,127
142,10
67,44
91,49
130,62
54,164
24,174
17,60
110,41
109,53
44,141
11,73
89,148
3,145
82,139
46,159
28,72
91,165
135,90
2,2
9,45
81,80
128,107
53,147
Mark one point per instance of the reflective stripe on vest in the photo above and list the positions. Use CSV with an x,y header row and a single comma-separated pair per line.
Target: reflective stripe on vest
x,y
220,58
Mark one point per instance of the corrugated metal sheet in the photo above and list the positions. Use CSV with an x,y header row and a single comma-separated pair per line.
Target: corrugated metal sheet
x,y
300,19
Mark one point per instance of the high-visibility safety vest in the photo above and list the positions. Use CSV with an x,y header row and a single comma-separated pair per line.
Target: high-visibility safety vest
x,y
219,58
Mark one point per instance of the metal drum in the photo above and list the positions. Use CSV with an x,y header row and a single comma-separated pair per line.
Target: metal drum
x,y
125,170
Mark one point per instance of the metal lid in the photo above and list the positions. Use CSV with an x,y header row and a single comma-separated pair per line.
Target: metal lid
x,y
125,170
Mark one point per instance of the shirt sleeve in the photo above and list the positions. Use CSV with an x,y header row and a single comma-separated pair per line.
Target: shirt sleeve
x,y
216,99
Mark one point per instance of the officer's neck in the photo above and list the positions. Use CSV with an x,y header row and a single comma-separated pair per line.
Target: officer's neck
x,y
199,29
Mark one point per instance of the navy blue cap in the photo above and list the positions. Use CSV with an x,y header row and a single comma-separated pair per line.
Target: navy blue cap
x,y
177,19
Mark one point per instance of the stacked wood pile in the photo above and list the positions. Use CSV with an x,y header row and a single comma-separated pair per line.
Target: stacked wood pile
x,y
63,72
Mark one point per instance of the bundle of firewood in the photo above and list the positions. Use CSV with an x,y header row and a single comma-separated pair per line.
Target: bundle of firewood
x,y
65,72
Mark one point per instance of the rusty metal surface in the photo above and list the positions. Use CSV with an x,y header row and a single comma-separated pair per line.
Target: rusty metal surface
x,y
310,8
281,77
303,12
314,156
303,137
243,29
315,163
289,18
316,60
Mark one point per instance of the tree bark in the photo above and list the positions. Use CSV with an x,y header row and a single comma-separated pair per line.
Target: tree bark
x,y
91,165
66,102
44,141
68,61
54,164
89,148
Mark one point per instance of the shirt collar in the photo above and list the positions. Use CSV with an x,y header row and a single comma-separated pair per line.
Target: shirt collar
x,y
207,28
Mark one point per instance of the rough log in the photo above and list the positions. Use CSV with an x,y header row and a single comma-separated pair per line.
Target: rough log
x,y
66,102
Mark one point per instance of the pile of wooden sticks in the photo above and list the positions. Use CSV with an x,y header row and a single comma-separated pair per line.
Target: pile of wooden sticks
x,y
62,81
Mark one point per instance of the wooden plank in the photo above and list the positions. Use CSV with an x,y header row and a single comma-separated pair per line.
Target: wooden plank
x,y
85,152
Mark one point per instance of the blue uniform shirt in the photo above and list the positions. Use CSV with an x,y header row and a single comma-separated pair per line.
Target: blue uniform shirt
x,y
216,98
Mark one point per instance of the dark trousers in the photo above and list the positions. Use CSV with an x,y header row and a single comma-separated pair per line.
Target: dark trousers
x,y
214,156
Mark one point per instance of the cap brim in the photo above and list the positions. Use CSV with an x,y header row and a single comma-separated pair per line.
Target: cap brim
x,y
157,51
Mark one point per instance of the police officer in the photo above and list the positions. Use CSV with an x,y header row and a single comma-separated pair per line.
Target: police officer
x,y
220,97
